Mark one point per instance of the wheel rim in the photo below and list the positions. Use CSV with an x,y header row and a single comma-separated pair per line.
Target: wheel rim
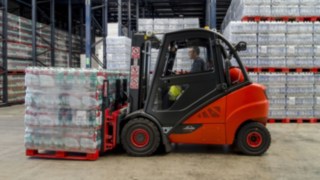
x,y
140,138
254,139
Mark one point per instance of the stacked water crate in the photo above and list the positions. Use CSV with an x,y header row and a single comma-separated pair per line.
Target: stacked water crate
x,y
270,8
63,109
285,8
300,99
118,53
316,41
276,91
16,89
271,44
247,32
309,7
164,25
242,8
19,47
317,96
145,25
300,44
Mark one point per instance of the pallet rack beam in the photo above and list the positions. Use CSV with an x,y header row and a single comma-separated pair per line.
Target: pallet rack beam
x,y
213,14
70,33
34,32
105,32
88,33
53,33
129,18
137,14
119,17
4,68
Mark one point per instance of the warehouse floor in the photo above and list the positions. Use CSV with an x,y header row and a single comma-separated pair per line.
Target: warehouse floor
x,y
294,154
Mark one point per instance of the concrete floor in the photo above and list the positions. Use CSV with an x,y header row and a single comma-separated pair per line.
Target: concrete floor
x,y
294,154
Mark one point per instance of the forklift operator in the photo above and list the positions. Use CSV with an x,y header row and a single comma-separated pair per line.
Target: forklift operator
x,y
198,64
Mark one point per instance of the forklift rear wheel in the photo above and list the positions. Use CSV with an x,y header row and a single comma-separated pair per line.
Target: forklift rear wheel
x,y
140,137
253,139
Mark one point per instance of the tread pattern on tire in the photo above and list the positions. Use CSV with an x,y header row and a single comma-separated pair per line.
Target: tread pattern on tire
x,y
154,137
242,135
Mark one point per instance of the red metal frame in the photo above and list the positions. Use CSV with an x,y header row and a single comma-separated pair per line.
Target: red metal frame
x,y
254,139
63,155
136,142
299,120
282,69
111,122
110,137
281,18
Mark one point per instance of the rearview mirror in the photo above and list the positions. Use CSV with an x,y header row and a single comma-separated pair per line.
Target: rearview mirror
x,y
241,46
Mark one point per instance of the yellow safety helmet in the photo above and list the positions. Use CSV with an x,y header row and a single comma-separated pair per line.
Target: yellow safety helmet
x,y
174,92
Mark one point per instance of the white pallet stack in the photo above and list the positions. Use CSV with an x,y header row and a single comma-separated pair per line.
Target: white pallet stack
x,y
145,25
244,31
270,8
317,96
316,40
299,41
118,53
271,44
300,99
276,91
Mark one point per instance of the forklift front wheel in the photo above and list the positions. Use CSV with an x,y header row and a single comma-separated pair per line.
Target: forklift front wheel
x,y
140,137
253,139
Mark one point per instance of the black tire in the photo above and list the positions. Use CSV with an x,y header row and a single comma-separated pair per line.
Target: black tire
x,y
140,137
253,139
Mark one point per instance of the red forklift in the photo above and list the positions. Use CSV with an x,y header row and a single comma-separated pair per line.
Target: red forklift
x,y
218,105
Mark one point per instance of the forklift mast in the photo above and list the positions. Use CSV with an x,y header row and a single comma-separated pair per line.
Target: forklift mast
x,y
140,69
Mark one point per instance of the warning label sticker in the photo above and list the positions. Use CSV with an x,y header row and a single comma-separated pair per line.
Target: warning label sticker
x,y
134,78
135,53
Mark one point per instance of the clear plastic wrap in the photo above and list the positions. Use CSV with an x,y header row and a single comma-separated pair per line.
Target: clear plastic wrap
x,y
272,51
63,108
271,39
302,62
272,78
300,27
272,62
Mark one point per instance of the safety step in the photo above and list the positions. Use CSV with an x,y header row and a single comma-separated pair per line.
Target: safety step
x,y
62,155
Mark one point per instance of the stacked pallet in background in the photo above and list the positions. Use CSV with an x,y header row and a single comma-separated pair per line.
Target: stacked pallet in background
x,y
300,99
64,108
271,44
276,91
20,44
276,44
20,52
240,9
118,53
317,96
164,25
291,95
16,89
236,32
316,40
